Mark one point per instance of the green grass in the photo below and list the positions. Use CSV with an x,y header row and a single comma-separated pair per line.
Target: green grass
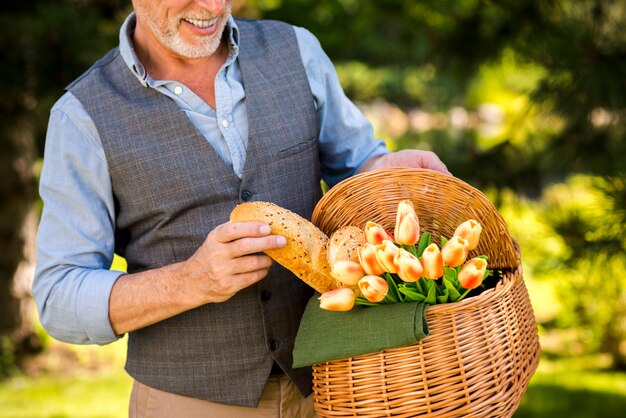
x,y
566,389
70,382
84,395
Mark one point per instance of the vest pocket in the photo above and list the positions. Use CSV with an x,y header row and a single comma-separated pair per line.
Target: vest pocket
x,y
298,148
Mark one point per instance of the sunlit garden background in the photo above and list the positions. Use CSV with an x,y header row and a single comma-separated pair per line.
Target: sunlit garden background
x,y
525,100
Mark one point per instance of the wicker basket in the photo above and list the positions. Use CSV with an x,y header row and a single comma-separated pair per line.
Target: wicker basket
x,y
481,352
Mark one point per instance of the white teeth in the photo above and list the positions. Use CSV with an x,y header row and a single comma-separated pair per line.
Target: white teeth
x,y
201,23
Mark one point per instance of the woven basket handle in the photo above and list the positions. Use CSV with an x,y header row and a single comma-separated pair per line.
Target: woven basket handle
x,y
442,202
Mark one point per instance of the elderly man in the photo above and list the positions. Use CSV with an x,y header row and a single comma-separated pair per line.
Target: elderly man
x,y
146,155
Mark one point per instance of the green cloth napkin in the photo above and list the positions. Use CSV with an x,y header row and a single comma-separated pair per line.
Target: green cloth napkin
x,y
326,335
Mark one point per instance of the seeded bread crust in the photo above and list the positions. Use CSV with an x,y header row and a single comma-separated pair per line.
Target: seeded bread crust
x,y
344,243
305,252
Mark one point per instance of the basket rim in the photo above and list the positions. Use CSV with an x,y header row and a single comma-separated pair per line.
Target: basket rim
x,y
442,201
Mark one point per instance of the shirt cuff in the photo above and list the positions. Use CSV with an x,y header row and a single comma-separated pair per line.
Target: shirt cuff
x,y
92,307
381,149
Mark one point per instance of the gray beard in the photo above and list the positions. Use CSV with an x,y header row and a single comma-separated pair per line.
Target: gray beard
x,y
205,48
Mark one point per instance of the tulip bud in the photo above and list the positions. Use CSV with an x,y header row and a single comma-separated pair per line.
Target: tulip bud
x,y
367,258
455,251
341,299
347,273
386,254
407,231
373,288
469,230
472,273
432,262
409,267
376,234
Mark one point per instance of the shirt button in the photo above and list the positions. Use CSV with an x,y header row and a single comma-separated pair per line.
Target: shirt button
x,y
246,195
225,123
178,90
273,345
266,295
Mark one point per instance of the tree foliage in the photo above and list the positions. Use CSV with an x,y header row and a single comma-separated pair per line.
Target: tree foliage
x,y
43,46
578,44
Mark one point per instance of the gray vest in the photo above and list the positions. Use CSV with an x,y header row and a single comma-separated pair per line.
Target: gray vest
x,y
171,189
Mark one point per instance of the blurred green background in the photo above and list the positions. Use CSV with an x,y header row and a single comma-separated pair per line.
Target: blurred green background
x,y
523,99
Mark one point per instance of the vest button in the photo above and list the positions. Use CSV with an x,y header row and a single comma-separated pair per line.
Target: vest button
x,y
246,195
266,295
273,345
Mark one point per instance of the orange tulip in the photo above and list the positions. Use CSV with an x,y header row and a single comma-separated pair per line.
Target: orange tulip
x,y
407,231
386,254
376,234
341,299
347,273
367,258
469,230
455,251
432,262
472,273
409,267
373,288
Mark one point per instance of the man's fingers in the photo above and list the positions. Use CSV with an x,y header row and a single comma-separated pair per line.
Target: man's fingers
x,y
242,238
231,231
434,163
249,278
246,246
252,263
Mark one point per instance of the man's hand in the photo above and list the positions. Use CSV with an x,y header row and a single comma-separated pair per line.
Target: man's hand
x,y
230,259
225,263
406,158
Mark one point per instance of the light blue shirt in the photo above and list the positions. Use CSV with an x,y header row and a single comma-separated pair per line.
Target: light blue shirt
x,y
75,242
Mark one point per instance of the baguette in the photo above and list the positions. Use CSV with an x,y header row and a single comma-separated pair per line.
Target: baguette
x,y
305,251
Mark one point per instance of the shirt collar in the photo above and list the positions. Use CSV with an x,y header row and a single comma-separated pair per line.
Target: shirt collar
x,y
129,55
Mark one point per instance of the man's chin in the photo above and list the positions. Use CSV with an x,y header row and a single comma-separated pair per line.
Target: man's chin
x,y
202,50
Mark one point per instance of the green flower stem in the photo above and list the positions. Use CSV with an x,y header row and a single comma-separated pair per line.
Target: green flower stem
x,y
419,286
410,248
393,295
463,295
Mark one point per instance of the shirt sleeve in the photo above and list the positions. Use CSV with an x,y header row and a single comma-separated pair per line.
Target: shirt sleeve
x,y
346,136
75,240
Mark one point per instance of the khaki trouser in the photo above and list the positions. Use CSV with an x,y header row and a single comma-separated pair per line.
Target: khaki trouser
x,y
280,399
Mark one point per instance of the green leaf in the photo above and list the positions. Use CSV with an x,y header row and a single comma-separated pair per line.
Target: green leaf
x,y
360,300
463,295
393,295
438,286
453,292
424,242
450,273
443,298
411,294
443,241
416,286
423,285
410,248
412,286
431,298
